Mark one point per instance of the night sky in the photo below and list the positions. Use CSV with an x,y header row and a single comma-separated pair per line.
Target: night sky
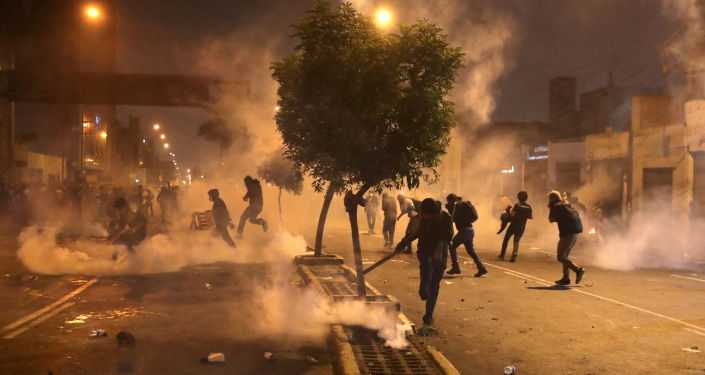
x,y
584,38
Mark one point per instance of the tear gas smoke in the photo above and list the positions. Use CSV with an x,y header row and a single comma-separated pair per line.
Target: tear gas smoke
x,y
483,33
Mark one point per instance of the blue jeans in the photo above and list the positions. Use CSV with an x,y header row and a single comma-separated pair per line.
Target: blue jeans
x,y
431,272
464,237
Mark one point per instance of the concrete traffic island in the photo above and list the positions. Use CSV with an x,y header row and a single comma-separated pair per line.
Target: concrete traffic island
x,y
357,350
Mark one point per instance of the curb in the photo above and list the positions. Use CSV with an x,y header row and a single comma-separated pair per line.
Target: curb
x,y
339,343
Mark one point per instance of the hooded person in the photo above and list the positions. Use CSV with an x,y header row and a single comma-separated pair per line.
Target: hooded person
x,y
434,233
130,226
389,207
221,217
569,226
463,214
256,203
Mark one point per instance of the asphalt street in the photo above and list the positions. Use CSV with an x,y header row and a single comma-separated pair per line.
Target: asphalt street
x,y
648,321
174,317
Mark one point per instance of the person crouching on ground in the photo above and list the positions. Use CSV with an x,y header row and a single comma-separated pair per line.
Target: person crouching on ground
x,y
569,226
130,228
519,214
221,217
434,233
463,214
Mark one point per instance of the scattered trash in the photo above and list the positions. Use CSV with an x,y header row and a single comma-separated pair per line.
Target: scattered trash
x,y
509,370
462,300
495,318
384,281
209,286
97,333
216,357
691,350
311,359
125,338
269,356
427,331
635,327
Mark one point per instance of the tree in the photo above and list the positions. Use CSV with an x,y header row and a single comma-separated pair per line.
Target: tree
x,y
283,174
361,109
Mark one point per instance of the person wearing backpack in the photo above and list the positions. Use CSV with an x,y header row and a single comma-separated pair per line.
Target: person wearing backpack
x,y
463,214
434,232
569,226
518,215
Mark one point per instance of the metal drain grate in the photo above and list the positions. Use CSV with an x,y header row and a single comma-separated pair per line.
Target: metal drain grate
x,y
374,358
336,288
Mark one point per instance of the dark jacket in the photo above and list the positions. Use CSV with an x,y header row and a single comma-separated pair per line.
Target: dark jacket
x,y
434,235
254,193
463,214
520,214
221,216
559,214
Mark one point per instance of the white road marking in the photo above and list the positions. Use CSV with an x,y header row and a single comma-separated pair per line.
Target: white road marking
x,y
694,331
44,317
624,304
689,278
47,308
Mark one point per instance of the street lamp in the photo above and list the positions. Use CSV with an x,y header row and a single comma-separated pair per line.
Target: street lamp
x,y
162,136
156,126
383,17
93,12
166,145
104,135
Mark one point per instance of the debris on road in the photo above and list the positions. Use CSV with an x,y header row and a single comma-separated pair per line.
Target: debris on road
x,y
125,338
495,318
97,333
693,349
311,359
125,368
269,356
462,300
209,286
509,370
216,357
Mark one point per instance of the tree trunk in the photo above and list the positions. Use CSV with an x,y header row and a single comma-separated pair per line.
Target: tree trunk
x,y
351,203
279,199
322,220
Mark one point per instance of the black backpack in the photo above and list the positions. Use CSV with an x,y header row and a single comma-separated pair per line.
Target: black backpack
x,y
573,218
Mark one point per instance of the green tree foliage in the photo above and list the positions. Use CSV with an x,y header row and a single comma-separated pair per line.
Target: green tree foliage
x,y
363,109
283,174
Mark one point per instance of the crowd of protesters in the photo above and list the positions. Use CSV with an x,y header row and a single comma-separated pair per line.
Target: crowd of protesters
x,y
439,233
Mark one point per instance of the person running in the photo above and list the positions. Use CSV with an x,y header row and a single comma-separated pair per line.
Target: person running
x,y
569,226
221,217
408,208
519,214
371,208
434,233
254,197
463,214
389,207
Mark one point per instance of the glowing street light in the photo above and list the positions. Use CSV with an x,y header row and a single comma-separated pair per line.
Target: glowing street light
x,y
277,108
162,136
383,17
93,12
156,126
103,135
166,145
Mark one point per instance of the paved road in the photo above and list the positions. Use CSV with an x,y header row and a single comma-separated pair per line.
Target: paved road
x,y
633,322
174,317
